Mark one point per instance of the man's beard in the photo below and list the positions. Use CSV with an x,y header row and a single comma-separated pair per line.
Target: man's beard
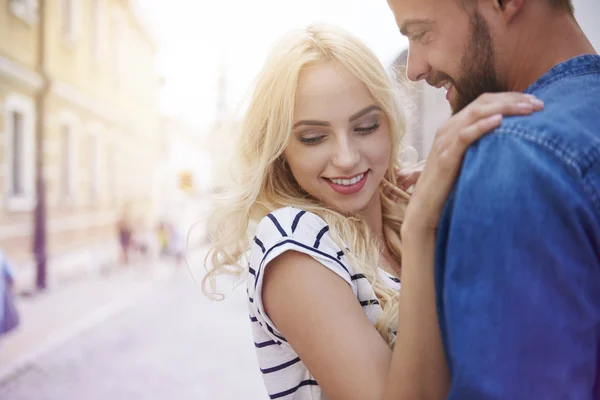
x,y
477,73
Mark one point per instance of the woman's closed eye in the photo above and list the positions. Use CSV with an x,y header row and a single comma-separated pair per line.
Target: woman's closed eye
x,y
367,128
311,138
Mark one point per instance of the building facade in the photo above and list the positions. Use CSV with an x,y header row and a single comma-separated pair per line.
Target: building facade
x,y
101,132
426,109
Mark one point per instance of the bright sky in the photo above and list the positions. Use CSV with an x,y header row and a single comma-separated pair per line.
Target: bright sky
x,y
197,37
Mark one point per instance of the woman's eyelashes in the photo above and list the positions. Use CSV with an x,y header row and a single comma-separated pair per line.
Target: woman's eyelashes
x,y
312,138
366,129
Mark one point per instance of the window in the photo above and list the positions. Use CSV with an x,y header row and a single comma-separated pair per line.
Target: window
x,y
118,40
98,31
66,176
67,139
70,21
111,174
19,149
26,10
94,165
17,177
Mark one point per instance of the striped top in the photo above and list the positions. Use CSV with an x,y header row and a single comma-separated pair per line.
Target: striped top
x,y
284,374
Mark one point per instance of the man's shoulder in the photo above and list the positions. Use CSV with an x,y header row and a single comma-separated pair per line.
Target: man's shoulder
x,y
547,152
569,125
566,132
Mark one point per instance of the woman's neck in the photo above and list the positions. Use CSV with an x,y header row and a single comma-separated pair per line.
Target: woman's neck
x,y
373,216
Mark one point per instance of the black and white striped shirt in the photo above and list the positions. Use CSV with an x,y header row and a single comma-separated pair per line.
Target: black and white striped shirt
x,y
285,376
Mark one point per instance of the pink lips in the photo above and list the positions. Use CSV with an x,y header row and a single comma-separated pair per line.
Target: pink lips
x,y
349,189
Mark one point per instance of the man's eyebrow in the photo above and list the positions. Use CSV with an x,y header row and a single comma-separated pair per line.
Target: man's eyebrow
x,y
409,23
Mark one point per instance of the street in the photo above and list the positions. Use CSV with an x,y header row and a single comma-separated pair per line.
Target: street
x,y
173,343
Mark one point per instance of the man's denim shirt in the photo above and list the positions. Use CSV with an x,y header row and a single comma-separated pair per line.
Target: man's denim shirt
x,y
518,250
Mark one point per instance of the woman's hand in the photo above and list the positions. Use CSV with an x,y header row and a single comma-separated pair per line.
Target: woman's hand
x,y
449,147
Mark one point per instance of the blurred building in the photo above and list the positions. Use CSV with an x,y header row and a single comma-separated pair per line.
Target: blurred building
x,y
183,183
101,128
221,138
587,13
426,109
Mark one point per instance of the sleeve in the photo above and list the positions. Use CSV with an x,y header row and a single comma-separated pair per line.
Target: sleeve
x,y
517,269
297,230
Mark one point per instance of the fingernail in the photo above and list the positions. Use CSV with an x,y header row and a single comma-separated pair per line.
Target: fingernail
x,y
496,117
524,106
537,103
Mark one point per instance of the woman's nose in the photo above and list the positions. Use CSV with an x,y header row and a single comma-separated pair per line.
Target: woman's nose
x,y
346,155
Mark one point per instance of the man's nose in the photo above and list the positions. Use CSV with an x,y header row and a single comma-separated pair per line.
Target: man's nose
x,y
417,68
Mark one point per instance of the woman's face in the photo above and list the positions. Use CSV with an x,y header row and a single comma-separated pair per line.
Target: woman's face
x,y
340,146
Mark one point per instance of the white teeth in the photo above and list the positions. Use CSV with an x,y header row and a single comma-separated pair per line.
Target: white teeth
x,y
447,86
348,182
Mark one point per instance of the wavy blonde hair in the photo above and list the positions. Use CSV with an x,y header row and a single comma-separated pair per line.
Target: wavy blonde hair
x,y
262,183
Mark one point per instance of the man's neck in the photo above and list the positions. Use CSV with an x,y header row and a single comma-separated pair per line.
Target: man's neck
x,y
550,40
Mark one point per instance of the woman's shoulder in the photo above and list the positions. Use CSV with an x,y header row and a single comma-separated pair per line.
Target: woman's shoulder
x,y
291,227
290,222
300,231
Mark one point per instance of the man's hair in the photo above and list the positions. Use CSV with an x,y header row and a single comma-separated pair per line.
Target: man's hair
x,y
564,5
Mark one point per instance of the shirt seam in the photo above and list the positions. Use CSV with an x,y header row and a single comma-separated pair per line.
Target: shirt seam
x,y
579,165
586,65
564,75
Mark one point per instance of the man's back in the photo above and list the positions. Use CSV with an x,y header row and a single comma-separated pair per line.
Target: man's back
x,y
518,256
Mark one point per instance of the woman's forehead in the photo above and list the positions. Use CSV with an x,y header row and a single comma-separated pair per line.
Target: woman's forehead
x,y
329,91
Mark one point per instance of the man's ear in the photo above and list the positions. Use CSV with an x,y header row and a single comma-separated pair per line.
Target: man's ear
x,y
508,8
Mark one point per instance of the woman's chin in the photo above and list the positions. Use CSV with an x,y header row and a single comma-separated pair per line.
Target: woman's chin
x,y
349,206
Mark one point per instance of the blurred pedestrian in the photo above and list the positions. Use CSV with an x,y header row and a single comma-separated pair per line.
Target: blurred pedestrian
x,y
141,239
9,316
176,244
163,239
124,229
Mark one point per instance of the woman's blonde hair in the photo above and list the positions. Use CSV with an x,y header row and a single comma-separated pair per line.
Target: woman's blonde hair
x,y
262,183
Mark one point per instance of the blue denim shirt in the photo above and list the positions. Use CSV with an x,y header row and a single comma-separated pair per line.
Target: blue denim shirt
x,y
518,250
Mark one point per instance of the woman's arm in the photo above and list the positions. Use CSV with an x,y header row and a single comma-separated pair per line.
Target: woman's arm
x,y
319,316
419,369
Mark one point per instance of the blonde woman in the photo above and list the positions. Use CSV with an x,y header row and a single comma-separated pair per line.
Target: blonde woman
x,y
315,186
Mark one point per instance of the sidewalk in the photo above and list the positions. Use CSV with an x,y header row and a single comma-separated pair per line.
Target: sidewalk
x,y
61,313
